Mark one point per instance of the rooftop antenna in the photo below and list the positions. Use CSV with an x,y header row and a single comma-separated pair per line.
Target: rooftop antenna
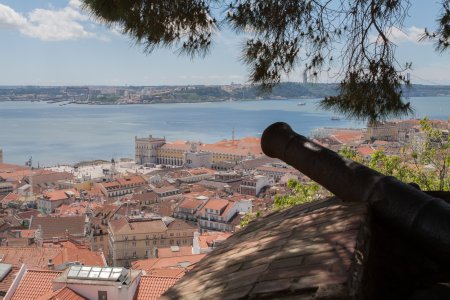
x,y
29,164
113,168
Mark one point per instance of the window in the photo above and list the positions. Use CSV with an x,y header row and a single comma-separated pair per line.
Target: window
x,y
147,243
102,295
134,253
134,244
155,242
171,234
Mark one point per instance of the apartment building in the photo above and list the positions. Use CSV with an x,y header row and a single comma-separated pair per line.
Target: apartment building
x,y
53,199
219,214
139,237
121,186
253,186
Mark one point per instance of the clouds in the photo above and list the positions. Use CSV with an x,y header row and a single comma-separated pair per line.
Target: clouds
x,y
10,19
398,36
63,24
411,34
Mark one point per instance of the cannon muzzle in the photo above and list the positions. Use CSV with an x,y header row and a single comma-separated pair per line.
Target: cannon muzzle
x,y
418,216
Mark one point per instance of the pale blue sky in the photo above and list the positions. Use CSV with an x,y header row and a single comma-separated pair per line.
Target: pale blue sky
x,y
54,43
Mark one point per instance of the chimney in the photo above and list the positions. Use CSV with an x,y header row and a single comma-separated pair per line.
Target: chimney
x,y
50,264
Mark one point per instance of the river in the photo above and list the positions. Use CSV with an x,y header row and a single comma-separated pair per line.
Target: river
x,y
54,134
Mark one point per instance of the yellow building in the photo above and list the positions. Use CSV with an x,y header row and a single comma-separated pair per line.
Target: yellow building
x,y
226,150
140,237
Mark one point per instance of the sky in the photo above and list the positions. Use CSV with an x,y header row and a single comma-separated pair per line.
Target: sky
x,y
56,43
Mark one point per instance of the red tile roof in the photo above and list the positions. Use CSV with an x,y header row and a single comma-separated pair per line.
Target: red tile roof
x,y
216,204
178,224
29,213
136,180
165,272
56,226
158,263
34,284
10,167
60,194
180,251
10,197
62,294
291,252
85,256
348,135
27,233
152,287
73,209
365,150
207,239
190,203
32,257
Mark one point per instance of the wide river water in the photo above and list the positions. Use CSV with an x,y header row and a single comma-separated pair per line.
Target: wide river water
x,y
54,134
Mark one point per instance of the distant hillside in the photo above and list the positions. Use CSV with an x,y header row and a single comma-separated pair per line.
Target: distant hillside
x,y
196,93
287,90
418,90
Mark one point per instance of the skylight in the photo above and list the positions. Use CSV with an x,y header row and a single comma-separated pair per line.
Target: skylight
x,y
96,273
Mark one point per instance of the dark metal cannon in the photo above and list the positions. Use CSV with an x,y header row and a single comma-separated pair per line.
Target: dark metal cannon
x,y
419,217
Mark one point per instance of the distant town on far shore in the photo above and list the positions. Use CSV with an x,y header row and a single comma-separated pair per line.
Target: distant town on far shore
x,y
186,94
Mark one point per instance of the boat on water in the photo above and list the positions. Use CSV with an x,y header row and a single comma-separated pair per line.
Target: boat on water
x,y
301,103
335,118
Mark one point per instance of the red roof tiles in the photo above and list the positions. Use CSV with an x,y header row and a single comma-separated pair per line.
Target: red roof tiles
x,y
287,253
32,257
216,204
34,284
152,287
157,263
62,294
180,251
60,194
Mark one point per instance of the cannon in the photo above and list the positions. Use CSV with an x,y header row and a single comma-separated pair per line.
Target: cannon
x,y
421,218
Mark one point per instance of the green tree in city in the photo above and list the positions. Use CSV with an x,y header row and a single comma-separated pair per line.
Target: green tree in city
x,y
300,193
282,35
424,161
431,157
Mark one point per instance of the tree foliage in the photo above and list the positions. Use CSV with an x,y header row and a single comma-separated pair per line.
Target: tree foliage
x,y
300,193
441,36
282,35
425,161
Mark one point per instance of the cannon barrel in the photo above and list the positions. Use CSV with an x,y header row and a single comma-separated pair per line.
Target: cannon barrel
x,y
417,216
